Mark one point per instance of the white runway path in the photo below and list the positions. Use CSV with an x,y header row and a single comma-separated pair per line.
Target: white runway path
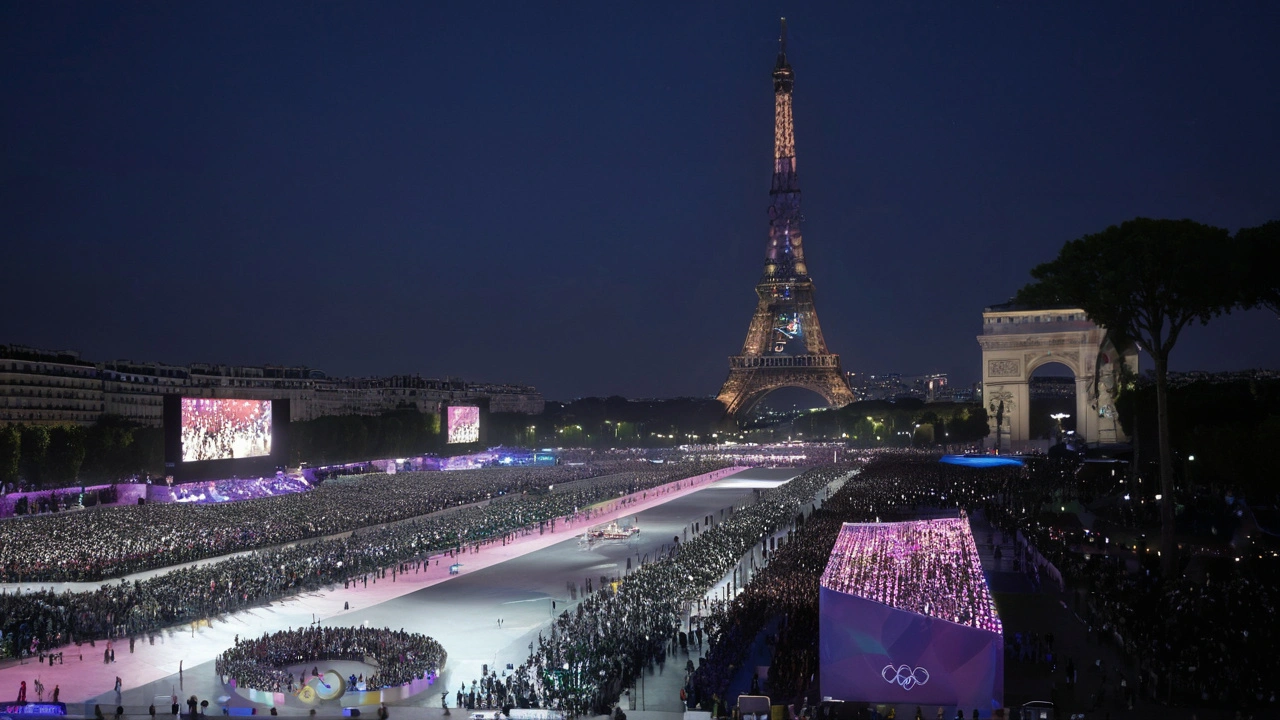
x,y
461,613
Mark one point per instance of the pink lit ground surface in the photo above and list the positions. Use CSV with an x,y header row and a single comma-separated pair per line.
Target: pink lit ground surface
x,y
517,582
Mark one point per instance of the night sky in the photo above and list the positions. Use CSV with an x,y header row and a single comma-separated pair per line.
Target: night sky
x,y
574,195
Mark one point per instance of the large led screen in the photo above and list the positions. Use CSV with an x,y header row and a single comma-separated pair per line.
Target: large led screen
x,y
464,424
215,429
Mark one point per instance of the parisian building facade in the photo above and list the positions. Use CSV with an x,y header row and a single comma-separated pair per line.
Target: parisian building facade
x,y
54,387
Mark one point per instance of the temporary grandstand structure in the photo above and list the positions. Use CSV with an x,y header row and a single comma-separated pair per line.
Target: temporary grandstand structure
x,y
906,617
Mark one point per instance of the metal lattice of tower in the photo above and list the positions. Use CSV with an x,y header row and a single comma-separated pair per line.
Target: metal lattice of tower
x,y
784,345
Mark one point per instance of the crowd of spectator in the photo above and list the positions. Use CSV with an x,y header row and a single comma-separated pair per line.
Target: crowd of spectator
x,y
894,487
55,501
584,660
1204,639
100,545
779,455
238,489
268,663
201,591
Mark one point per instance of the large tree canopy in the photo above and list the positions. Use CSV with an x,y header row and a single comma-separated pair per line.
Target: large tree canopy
x,y
1145,280
1260,251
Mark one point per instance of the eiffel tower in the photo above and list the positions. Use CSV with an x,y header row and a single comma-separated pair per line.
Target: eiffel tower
x,y
784,346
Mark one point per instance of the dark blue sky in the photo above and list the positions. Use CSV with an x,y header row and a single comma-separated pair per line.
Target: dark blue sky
x,y
574,195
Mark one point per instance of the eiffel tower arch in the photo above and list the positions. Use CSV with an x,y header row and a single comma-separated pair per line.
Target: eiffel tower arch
x,y
784,345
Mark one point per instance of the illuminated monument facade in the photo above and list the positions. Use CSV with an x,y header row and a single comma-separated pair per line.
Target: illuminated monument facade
x,y
784,346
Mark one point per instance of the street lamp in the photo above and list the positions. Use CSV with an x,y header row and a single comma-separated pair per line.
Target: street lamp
x,y
1058,418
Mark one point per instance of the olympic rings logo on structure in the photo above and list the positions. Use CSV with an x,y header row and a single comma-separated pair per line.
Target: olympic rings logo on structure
x,y
904,676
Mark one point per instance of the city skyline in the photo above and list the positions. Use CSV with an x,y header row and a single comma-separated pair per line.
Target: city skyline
x,y
575,198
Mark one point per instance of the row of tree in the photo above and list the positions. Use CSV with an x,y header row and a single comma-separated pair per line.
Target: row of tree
x,y
64,455
618,422
908,422
612,422
350,438
115,449
1230,428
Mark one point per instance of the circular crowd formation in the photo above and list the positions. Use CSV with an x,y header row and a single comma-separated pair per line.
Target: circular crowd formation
x,y
263,663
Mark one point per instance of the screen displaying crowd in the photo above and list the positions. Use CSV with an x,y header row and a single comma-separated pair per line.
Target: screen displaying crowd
x,y
216,429
464,424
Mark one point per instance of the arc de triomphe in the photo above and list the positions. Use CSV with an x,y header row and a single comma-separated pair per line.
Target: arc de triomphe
x,y
1016,340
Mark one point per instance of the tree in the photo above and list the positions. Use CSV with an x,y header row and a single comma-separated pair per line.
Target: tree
x,y
923,435
1260,251
10,453
35,448
66,454
109,449
969,425
1146,280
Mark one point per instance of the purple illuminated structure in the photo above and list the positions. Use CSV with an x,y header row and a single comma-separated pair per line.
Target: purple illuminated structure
x,y
906,617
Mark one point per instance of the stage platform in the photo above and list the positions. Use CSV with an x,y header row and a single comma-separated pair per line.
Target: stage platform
x,y
906,618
